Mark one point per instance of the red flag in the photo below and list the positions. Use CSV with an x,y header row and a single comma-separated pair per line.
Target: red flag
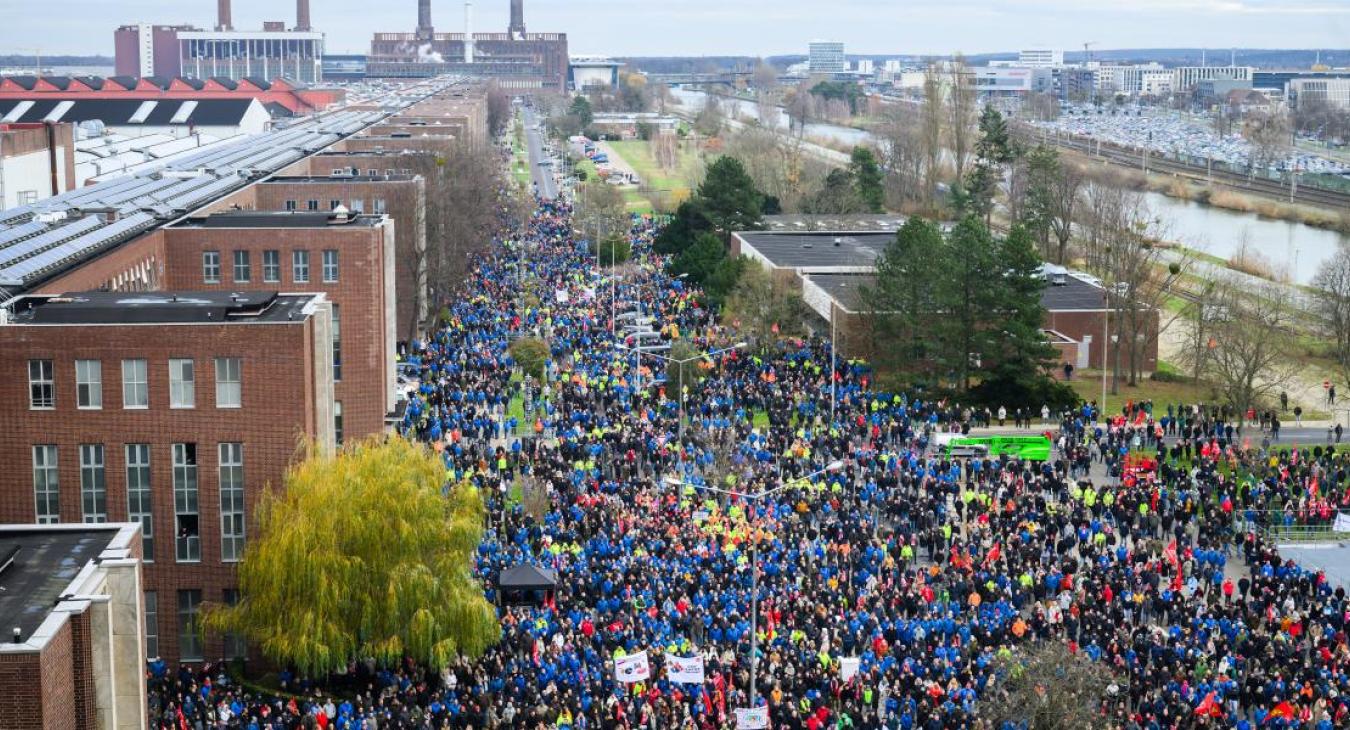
x,y
774,328
1284,709
1170,552
1209,707
994,552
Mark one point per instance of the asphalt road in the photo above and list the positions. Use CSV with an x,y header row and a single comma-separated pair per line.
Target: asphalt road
x,y
534,143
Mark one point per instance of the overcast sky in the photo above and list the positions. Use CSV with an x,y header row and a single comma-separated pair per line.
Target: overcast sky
x,y
736,27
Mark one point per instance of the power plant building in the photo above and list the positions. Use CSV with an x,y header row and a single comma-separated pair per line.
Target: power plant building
x,y
225,53
517,60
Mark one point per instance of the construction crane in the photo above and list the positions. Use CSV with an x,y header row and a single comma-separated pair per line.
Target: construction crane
x,y
1087,49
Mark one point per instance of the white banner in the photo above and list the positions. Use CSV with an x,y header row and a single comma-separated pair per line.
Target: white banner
x,y
755,719
632,668
1342,523
562,296
687,671
848,666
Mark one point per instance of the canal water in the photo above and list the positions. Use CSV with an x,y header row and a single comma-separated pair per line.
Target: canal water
x,y
1290,248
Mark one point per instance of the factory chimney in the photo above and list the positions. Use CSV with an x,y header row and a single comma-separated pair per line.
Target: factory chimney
x,y
302,15
425,31
223,21
517,29
468,31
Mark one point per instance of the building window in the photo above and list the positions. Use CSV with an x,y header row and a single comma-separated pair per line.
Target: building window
x,y
231,502
229,387
46,487
235,646
41,384
379,206
290,205
337,422
330,266
211,267
189,641
93,483
187,540
89,383
300,267
243,268
358,205
138,497
337,342
28,197
373,171
182,384
312,205
271,266
151,625
334,204
135,384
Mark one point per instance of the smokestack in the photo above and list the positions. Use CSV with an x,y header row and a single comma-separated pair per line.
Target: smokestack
x,y
517,29
302,15
223,21
468,31
424,29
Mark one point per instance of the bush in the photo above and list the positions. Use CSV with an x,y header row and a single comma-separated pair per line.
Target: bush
x,y
1032,393
531,354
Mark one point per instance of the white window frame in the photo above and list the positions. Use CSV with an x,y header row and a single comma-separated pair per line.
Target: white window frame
x,y
42,379
299,265
243,263
329,262
93,483
186,503
46,484
210,267
272,266
140,504
231,471
135,384
182,391
89,385
229,382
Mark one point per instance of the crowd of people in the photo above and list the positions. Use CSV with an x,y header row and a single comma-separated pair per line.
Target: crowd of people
x,y
895,587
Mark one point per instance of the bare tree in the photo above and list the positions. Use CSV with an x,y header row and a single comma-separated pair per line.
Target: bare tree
x,y
1333,304
1065,199
762,312
498,107
765,79
1044,686
931,126
1269,136
961,113
902,157
1201,316
1250,358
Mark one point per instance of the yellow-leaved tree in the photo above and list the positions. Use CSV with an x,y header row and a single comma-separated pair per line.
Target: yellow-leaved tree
x,y
364,553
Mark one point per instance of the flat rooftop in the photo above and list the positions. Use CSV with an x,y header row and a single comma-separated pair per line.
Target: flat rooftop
x,y
854,223
277,219
292,179
818,249
44,562
846,289
192,307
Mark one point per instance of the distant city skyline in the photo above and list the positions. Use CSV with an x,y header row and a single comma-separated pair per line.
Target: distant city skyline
x,y
743,27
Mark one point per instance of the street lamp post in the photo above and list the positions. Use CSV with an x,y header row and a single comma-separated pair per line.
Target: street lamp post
x,y
833,466
681,362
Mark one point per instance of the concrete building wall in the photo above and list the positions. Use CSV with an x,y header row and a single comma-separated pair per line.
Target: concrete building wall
x,y
36,162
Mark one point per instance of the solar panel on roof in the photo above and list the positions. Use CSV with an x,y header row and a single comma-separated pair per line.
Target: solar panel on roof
x,y
11,236
50,239
76,248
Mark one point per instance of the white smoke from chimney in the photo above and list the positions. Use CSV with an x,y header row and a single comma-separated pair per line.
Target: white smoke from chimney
x,y
468,31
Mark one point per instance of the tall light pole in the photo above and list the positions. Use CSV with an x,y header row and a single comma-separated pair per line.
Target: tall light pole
x,y
833,367
681,362
833,466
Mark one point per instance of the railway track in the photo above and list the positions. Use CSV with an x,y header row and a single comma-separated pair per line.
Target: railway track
x,y
1137,159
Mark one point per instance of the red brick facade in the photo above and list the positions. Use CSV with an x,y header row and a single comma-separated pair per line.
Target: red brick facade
x,y
280,407
362,299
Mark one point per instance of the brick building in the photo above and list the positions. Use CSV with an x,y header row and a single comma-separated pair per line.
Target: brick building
x,y
831,269
72,594
400,196
170,410
350,258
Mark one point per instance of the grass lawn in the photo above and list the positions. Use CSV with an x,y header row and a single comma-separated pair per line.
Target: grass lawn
x,y
685,175
760,419
1088,385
